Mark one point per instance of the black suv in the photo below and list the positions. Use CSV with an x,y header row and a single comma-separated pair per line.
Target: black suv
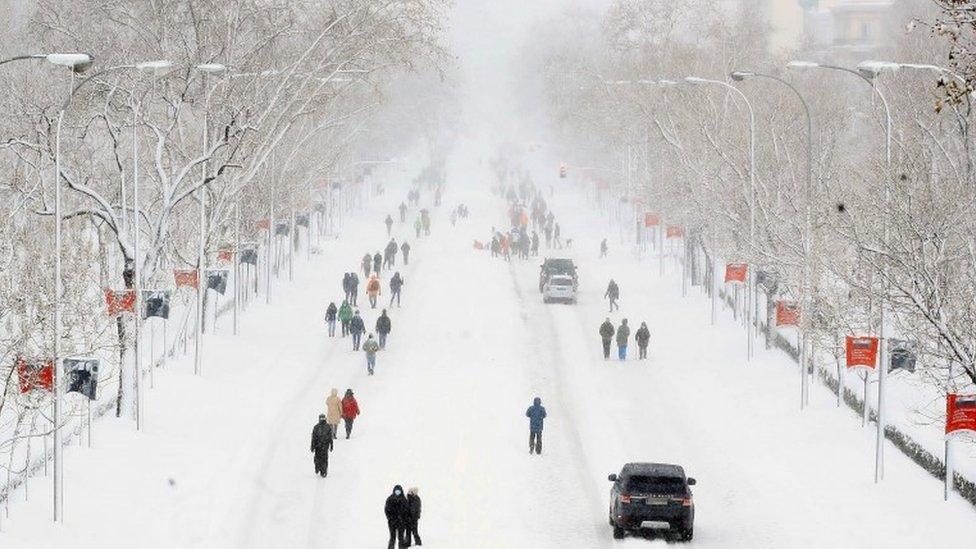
x,y
556,266
652,496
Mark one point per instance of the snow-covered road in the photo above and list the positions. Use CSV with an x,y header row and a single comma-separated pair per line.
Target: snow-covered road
x,y
225,462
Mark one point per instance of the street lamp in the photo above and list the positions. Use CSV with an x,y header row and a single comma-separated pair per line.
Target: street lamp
x,y
76,63
206,69
868,71
752,201
806,287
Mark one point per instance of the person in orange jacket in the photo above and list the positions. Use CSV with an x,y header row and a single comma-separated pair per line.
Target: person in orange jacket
x,y
373,289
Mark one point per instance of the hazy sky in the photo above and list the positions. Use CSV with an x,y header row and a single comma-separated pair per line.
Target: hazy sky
x,y
486,37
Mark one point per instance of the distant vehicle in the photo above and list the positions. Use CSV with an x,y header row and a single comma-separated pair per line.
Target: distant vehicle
x,y
556,266
559,288
652,496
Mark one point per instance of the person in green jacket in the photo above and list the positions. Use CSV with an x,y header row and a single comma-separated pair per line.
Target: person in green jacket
x,y
371,347
623,334
345,315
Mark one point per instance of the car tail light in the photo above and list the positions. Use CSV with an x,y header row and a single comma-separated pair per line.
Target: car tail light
x,y
624,498
686,502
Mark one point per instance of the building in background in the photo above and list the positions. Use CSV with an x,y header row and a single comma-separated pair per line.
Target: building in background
x,y
833,26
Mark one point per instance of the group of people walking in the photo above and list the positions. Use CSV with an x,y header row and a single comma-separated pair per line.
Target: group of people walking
x,y
622,334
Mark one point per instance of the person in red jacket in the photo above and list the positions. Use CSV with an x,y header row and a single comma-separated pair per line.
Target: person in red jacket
x,y
350,409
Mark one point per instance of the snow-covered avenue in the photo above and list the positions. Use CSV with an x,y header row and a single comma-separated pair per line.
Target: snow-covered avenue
x,y
487,274
471,346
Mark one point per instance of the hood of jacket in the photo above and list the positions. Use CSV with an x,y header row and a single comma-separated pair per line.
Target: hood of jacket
x,y
334,392
395,488
537,401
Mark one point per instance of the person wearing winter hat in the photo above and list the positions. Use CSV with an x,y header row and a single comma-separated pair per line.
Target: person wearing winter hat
x,y
333,411
413,504
371,347
397,511
350,410
321,445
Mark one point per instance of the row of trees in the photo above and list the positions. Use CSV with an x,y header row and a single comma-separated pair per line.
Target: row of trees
x,y
897,235
304,90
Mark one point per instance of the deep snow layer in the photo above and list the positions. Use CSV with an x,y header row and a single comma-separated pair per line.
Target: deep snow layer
x,y
224,461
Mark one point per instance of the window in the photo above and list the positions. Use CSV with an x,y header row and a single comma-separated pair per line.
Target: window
x,y
639,484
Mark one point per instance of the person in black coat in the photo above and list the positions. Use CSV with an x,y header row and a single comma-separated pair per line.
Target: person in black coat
x,y
405,248
356,328
643,337
613,294
383,327
396,284
606,337
353,288
389,224
397,511
413,503
330,318
322,445
389,254
346,284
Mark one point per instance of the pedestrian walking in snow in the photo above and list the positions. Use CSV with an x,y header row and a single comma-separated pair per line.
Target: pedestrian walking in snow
x,y
555,237
373,290
623,336
425,220
353,289
548,231
333,411
377,263
367,265
356,328
330,317
405,248
396,284
603,248
535,244
418,226
346,285
389,225
606,336
350,411
383,328
321,446
643,337
397,511
371,348
403,212
389,254
345,315
536,414
413,504
613,294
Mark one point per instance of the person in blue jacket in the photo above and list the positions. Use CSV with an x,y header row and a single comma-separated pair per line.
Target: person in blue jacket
x,y
536,414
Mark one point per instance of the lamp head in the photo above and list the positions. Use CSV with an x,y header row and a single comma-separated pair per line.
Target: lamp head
x,y
739,76
872,69
77,62
211,68
802,65
155,66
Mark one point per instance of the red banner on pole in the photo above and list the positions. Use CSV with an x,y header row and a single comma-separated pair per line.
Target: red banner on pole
x,y
787,313
35,375
674,231
651,220
263,224
225,256
862,352
960,414
736,272
186,277
119,301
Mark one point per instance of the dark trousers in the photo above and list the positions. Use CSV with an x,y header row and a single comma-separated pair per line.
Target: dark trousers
x,y
642,352
321,460
353,297
412,534
398,535
345,328
372,301
406,258
535,442
356,338
382,340
613,303
396,297
606,348
348,421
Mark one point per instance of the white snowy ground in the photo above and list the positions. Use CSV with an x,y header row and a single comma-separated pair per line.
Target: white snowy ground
x,y
225,462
